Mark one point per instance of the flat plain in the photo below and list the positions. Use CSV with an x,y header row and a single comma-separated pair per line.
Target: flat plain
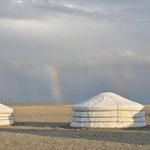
x,y
46,127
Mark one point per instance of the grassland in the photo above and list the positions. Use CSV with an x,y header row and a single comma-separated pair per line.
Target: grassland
x,y
46,127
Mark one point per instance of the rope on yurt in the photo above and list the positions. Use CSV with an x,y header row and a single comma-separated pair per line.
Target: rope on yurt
x,y
117,113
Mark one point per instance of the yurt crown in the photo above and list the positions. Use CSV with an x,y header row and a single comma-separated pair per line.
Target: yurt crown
x,y
109,94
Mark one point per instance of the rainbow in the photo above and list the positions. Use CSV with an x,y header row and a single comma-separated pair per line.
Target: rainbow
x,y
54,81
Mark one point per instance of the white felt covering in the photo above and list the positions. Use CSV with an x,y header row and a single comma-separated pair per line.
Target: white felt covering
x,y
108,110
6,115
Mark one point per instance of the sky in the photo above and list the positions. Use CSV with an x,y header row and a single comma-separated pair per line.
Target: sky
x,y
67,51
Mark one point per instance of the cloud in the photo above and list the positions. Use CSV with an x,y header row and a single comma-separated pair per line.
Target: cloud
x,y
97,10
96,46
78,81
20,84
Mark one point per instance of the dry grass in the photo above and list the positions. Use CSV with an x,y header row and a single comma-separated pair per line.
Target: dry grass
x,y
46,127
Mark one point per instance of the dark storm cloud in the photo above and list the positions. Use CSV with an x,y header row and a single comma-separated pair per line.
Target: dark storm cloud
x,y
23,85
30,84
126,81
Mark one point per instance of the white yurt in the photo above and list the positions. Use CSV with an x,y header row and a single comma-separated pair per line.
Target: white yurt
x,y
108,110
6,115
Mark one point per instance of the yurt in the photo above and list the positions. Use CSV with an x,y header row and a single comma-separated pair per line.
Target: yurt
x,y
6,115
108,110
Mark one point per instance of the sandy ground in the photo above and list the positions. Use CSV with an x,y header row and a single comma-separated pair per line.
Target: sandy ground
x,y
46,127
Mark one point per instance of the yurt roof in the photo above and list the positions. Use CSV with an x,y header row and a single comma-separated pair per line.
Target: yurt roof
x,y
107,101
5,109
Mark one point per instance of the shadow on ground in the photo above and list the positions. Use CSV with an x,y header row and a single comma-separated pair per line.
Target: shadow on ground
x,y
139,136
64,125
